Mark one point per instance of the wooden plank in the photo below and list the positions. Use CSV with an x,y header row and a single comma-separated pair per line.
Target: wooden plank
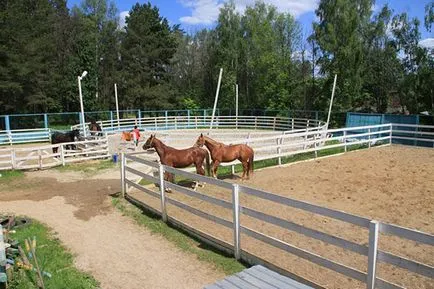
x,y
334,240
226,284
274,275
143,175
200,213
339,215
143,189
254,280
410,265
314,258
191,193
199,178
409,234
240,283
266,278
142,161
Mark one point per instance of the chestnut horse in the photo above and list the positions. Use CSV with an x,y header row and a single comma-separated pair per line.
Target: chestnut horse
x,y
221,153
179,158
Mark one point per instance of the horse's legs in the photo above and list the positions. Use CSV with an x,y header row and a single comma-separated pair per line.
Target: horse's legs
x,y
200,171
168,177
245,170
215,166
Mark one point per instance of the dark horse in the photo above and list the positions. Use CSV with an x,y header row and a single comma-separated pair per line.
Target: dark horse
x,y
221,153
179,158
94,127
59,137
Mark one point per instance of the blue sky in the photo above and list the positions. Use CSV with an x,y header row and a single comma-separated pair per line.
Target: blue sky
x,y
196,14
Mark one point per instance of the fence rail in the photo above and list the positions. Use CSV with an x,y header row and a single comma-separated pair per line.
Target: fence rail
x,y
40,157
346,137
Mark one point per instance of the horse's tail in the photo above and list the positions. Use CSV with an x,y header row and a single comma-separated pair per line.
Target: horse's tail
x,y
251,162
208,166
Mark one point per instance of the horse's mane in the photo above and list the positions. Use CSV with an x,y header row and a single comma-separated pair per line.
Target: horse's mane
x,y
213,142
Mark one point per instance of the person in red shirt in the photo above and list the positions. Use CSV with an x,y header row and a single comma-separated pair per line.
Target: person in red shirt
x,y
136,135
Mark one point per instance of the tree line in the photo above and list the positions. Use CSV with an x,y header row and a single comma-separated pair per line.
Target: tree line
x,y
380,65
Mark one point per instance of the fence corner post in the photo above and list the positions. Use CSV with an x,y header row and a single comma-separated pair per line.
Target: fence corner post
x,y
236,219
162,193
372,253
62,155
123,183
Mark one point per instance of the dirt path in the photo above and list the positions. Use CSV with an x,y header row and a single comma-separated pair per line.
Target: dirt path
x,y
116,251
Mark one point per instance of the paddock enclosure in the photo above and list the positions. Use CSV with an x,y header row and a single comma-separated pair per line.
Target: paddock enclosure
x,y
337,222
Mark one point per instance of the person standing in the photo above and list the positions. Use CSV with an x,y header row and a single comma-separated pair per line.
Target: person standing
x,y
136,135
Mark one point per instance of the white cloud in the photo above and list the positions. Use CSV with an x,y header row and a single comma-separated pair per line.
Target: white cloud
x,y
427,43
122,17
207,11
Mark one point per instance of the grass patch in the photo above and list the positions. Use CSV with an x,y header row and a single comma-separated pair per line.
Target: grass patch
x,y
87,167
224,263
52,258
7,176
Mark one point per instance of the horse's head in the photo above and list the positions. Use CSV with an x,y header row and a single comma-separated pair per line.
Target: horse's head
x,y
149,142
200,142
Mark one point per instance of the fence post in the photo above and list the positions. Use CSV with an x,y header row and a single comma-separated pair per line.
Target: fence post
x,y
7,123
10,137
236,219
233,169
162,193
204,117
274,124
369,137
372,254
62,155
123,183
292,126
111,119
188,118
139,113
45,120
315,145
391,133
345,140
278,143
195,121
165,117
256,122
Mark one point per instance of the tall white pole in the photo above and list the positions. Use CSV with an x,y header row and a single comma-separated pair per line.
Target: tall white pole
x,y
331,101
236,106
81,106
216,98
117,105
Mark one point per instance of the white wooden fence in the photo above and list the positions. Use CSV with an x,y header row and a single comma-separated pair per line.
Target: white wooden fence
x,y
40,157
20,136
201,122
346,137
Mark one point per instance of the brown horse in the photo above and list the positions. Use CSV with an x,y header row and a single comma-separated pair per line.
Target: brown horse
x,y
179,158
221,153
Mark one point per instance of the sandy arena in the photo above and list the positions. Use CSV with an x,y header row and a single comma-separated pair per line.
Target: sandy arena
x,y
391,184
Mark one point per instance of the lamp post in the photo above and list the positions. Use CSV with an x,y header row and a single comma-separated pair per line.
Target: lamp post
x,y
81,101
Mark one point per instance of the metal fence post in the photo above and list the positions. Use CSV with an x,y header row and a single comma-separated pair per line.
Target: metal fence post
x,y
7,123
123,183
236,219
45,120
162,193
369,137
372,254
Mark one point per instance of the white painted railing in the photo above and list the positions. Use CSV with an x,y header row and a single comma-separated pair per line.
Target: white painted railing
x,y
203,122
311,141
20,136
40,157
371,250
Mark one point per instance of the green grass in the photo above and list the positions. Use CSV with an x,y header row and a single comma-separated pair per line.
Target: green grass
x,y
60,126
87,167
222,262
7,176
52,258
